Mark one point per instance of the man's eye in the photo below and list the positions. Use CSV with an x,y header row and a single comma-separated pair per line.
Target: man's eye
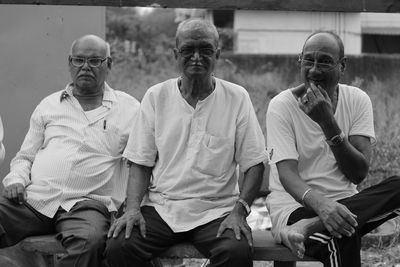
x,y
78,60
186,51
95,61
207,51
308,62
326,61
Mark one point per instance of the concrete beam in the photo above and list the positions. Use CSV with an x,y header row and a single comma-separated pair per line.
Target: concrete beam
x,y
391,6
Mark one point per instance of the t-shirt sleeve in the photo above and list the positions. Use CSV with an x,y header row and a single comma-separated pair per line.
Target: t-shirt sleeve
x,y
281,142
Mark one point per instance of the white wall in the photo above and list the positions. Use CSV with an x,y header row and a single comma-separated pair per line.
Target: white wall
x,y
380,23
279,32
34,47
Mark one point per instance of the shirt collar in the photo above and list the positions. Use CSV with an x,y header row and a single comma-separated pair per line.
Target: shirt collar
x,y
108,96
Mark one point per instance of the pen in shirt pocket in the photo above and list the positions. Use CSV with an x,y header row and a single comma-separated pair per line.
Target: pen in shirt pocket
x,y
105,124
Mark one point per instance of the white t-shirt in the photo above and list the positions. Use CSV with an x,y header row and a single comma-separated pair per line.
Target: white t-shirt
x,y
291,134
195,151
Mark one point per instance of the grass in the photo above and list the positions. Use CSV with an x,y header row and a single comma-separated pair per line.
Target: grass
x,y
135,77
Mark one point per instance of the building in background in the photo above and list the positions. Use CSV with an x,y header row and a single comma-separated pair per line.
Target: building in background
x,y
283,32
380,33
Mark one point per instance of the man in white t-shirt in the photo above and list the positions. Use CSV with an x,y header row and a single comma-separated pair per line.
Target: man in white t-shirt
x,y
319,139
191,134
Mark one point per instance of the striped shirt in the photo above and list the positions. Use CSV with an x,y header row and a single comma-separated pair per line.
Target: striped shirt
x,y
70,155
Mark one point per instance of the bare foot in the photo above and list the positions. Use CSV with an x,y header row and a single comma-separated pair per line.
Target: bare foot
x,y
293,240
293,236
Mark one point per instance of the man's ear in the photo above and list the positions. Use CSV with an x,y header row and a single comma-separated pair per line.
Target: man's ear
x,y
217,53
176,52
343,64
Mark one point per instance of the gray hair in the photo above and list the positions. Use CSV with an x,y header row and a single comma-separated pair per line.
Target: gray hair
x,y
197,23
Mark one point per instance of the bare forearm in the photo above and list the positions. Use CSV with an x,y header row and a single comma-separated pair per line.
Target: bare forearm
x,y
350,160
253,178
138,183
291,180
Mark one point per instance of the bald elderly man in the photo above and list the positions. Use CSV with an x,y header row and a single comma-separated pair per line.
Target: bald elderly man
x,y
319,136
69,175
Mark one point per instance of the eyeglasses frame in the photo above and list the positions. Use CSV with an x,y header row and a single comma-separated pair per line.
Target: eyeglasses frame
x,y
300,60
87,61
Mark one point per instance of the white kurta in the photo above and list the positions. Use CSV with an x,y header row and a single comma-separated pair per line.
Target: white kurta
x,y
195,151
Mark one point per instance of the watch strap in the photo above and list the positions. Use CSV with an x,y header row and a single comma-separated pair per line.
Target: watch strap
x,y
336,140
245,205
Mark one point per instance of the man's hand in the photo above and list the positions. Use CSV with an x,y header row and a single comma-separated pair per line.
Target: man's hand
x,y
238,224
337,218
130,219
15,192
316,104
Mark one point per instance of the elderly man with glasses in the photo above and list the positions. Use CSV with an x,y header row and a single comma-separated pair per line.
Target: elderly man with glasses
x,y
69,175
191,134
319,139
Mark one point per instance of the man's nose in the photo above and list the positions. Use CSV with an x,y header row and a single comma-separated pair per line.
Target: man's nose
x,y
196,54
86,65
314,67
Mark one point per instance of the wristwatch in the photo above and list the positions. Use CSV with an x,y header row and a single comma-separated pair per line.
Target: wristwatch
x,y
245,205
336,140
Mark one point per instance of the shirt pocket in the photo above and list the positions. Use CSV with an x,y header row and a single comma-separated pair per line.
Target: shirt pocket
x,y
215,154
104,141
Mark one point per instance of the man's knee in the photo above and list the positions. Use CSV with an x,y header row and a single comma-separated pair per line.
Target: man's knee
x,y
120,247
121,252
115,248
236,250
83,242
96,240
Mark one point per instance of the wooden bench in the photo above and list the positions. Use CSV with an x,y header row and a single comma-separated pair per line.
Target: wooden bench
x,y
265,249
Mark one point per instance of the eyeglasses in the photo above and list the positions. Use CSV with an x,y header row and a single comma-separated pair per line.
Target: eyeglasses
x,y
189,51
93,62
322,66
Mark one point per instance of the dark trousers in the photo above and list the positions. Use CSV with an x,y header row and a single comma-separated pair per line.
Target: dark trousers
x,y
82,230
137,251
369,205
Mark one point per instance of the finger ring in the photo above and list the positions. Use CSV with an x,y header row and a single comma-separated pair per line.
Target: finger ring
x,y
305,100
